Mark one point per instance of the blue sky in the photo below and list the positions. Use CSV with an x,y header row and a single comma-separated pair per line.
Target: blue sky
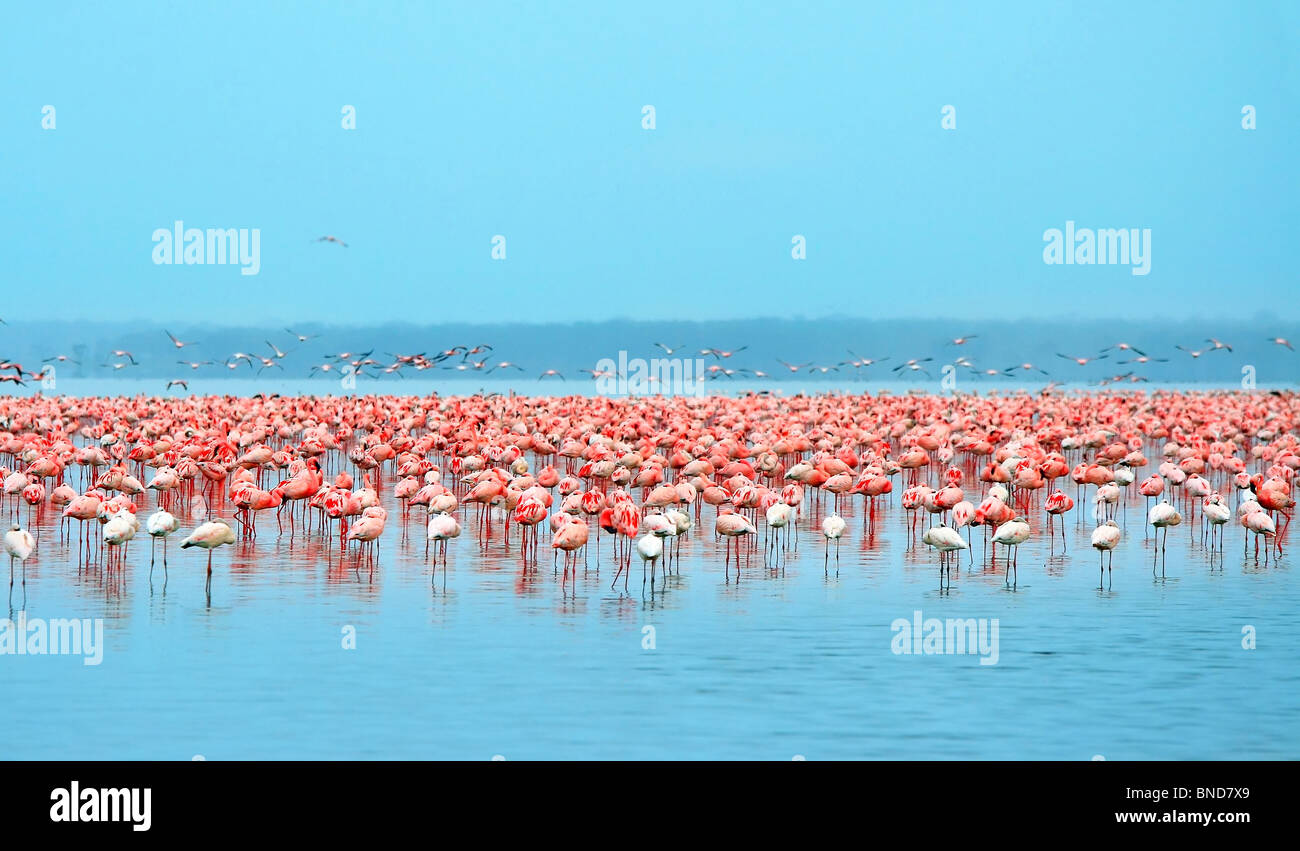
x,y
524,120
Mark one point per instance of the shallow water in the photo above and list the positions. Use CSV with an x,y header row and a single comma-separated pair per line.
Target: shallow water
x,y
787,661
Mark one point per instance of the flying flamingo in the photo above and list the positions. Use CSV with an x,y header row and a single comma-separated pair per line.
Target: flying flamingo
x,y
1082,361
179,344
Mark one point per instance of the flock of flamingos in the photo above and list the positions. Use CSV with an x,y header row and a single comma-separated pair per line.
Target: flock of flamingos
x,y
640,471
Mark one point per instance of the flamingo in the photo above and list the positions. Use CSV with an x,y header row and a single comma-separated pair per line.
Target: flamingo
x,y
179,344
209,536
1057,504
733,526
1216,511
833,529
650,547
1104,539
19,544
1162,516
946,540
367,530
159,525
442,528
1012,534
1262,526
569,538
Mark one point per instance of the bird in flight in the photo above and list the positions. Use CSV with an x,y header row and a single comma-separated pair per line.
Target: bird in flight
x,y
61,359
505,364
302,338
961,341
913,364
1129,376
669,350
720,353
279,354
347,355
180,344
266,363
1145,359
464,366
177,382
1124,347
123,353
550,372
1081,361
333,239
1027,367
1195,353
195,364
793,367
447,353
1216,344
858,362
1282,341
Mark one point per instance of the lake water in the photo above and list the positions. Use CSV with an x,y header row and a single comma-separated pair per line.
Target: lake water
x,y
273,382
789,661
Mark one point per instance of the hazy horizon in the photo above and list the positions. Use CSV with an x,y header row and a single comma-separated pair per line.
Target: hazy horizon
x,y
573,347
